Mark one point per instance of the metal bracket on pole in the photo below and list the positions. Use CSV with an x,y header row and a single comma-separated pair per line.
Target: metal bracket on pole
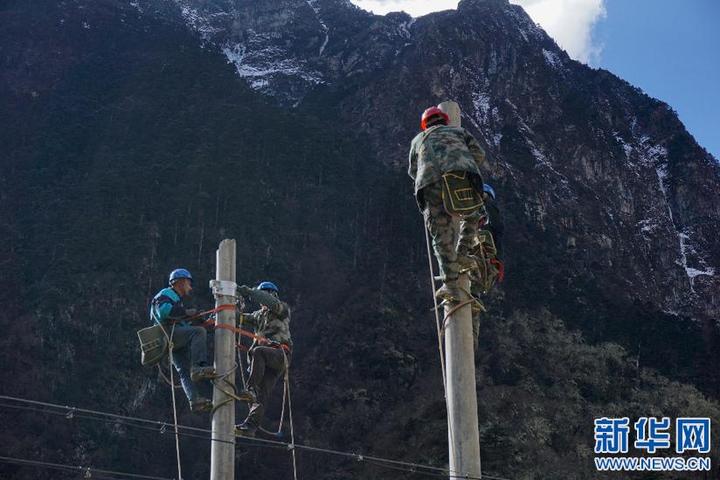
x,y
224,288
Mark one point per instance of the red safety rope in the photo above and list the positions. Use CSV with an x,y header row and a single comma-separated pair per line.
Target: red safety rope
x,y
240,331
219,308
258,338
501,268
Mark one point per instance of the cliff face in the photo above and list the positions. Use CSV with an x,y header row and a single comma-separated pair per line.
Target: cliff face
x,y
139,134
611,173
603,180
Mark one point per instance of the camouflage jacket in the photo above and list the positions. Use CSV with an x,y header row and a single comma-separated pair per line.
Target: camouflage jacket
x,y
441,149
272,322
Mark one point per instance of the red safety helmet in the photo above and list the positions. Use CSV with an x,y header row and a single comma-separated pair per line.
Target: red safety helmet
x,y
430,114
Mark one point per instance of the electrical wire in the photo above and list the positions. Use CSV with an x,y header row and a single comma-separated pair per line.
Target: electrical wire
x,y
163,428
88,472
72,412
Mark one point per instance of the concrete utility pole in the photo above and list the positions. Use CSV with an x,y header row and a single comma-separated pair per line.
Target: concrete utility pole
x,y
463,434
222,454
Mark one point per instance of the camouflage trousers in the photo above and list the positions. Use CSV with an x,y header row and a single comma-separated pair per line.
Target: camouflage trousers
x,y
448,237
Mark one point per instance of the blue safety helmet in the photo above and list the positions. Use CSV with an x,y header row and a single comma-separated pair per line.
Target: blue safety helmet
x,y
268,286
489,190
179,273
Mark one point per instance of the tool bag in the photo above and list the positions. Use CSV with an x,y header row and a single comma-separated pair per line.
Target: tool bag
x,y
490,270
459,194
153,344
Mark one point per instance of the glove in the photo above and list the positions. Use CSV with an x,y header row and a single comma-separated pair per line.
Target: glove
x,y
244,290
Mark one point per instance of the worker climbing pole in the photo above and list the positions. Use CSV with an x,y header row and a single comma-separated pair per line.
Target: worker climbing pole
x,y
270,352
445,164
188,346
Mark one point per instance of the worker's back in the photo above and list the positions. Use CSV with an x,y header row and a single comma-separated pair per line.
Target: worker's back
x,y
441,149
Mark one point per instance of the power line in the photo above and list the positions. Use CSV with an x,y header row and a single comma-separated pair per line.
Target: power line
x,y
88,472
70,415
71,412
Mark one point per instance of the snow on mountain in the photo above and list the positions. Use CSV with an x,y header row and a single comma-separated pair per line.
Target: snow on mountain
x,y
572,133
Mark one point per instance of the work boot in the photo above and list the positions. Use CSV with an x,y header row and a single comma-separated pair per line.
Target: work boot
x,y
246,429
201,404
200,373
248,395
449,291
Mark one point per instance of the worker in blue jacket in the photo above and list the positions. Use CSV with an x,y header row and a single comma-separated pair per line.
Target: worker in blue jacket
x,y
189,342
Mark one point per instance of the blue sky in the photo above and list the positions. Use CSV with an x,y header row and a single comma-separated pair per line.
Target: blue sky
x,y
668,48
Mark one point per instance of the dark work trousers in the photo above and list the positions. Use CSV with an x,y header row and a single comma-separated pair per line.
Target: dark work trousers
x,y
268,365
190,350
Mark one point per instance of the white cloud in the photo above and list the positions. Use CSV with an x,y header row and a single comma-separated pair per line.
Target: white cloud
x,y
416,8
569,22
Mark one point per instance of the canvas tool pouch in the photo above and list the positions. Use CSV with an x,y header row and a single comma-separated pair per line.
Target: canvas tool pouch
x,y
459,194
153,344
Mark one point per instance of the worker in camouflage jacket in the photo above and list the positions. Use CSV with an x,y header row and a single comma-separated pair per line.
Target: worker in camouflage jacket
x,y
445,163
269,354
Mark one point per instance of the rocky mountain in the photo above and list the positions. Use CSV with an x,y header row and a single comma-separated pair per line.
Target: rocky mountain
x,y
138,134
531,105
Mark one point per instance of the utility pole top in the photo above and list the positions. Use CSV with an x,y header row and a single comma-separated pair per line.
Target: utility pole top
x,y
453,111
